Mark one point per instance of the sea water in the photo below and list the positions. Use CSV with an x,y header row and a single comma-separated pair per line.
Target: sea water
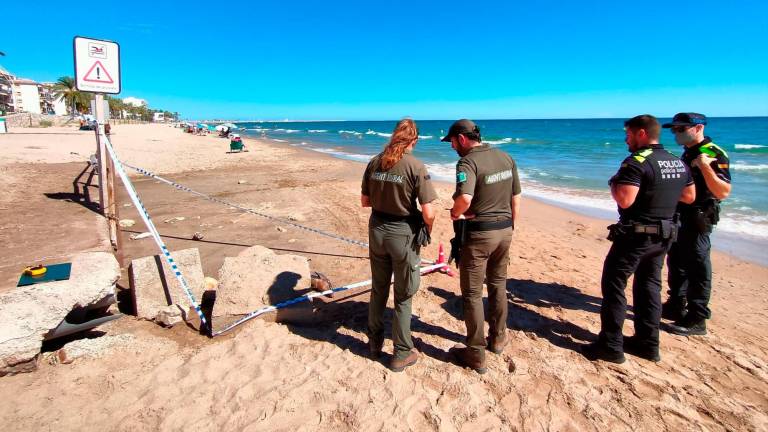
x,y
564,162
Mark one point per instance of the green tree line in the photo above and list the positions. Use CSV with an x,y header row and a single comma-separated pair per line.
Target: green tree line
x,y
80,102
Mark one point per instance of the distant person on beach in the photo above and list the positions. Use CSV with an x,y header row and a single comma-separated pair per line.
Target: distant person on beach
x,y
690,269
647,188
393,182
485,206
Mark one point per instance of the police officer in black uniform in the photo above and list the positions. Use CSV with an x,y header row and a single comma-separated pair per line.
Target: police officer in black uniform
x,y
690,269
647,188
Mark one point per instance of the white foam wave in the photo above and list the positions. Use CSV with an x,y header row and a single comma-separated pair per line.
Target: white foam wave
x,y
278,140
571,197
344,155
444,172
496,142
317,130
257,129
749,146
381,134
747,167
287,130
756,226
425,136
350,132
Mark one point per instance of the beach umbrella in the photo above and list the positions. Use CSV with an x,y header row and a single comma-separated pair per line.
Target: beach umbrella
x,y
202,125
221,127
230,125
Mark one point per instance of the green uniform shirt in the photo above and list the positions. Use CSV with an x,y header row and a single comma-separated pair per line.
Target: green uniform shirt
x,y
395,191
490,176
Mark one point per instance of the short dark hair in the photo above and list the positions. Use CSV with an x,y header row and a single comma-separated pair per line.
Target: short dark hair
x,y
647,122
474,136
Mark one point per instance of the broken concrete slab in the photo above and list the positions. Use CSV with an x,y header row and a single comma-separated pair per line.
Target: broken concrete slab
x,y
258,277
154,290
89,348
170,316
28,313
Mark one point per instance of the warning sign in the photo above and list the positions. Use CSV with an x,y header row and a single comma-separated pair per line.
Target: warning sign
x,y
97,65
98,74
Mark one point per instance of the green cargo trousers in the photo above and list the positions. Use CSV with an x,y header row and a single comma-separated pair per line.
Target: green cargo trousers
x,y
392,253
484,256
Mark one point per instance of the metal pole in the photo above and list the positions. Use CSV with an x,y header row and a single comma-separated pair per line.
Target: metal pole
x,y
106,172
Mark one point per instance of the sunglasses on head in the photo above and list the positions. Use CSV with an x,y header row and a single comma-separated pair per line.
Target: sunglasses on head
x,y
679,129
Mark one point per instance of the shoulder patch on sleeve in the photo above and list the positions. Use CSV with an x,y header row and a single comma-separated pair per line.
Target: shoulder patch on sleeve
x,y
461,177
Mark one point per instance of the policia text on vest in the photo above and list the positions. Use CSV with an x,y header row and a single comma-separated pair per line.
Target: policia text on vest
x,y
647,188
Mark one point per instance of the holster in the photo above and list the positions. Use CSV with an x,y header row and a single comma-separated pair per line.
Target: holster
x,y
421,236
669,229
615,231
704,218
459,237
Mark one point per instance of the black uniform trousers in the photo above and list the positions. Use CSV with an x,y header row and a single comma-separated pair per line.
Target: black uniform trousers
x,y
643,256
690,270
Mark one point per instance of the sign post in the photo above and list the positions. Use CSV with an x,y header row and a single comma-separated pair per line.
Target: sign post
x,y
97,70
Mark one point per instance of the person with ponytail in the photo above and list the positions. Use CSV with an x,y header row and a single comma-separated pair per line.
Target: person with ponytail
x,y
395,184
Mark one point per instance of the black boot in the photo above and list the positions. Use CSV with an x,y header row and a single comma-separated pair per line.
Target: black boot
x,y
639,348
598,351
674,308
689,326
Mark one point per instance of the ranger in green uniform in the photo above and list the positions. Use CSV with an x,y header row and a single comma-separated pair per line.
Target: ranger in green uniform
x,y
393,182
488,197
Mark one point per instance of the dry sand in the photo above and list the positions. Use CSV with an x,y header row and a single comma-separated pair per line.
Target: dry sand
x,y
268,376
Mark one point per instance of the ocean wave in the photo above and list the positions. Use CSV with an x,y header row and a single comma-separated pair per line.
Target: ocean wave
x,y
287,130
747,167
501,141
343,155
444,172
425,136
755,226
749,146
381,134
279,140
572,197
350,132
257,129
317,130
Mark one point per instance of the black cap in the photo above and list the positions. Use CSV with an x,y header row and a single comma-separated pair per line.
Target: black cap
x,y
462,126
686,119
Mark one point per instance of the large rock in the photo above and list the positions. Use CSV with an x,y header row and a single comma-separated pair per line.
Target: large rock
x,y
154,290
28,313
258,277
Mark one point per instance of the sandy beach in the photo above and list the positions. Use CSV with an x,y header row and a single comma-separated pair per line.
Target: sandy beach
x,y
270,376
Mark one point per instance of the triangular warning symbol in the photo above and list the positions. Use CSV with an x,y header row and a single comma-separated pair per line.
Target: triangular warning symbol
x,y
97,73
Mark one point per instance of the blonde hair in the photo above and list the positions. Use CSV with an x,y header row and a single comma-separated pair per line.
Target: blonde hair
x,y
405,134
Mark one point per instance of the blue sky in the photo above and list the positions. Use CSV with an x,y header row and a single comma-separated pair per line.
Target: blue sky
x,y
428,60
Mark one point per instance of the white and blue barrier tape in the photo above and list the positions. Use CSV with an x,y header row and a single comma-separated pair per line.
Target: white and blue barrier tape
x,y
245,209
307,297
155,234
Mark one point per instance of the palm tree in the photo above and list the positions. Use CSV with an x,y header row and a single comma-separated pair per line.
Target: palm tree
x,y
64,88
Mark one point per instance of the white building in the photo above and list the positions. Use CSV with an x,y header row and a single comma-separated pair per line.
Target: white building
x,y
26,96
158,117
135,101
49,103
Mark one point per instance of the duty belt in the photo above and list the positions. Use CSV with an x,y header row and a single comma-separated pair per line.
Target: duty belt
x,y
387,217
489,225
646,229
